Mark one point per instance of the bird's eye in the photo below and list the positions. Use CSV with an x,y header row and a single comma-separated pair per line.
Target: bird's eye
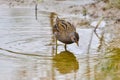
x,y
74,39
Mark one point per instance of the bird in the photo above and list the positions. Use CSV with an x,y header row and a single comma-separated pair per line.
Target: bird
x,y
65,32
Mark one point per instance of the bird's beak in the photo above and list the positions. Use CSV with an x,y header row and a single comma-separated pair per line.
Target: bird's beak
x,y
77,43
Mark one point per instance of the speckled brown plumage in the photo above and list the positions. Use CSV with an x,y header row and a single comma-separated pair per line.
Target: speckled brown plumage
x,y
65,32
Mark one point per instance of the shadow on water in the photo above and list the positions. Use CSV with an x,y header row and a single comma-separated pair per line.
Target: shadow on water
x,y
65,62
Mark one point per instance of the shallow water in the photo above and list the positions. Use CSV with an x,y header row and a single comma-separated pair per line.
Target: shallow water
x,y
28,51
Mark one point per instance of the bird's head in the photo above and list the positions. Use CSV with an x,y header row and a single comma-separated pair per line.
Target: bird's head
x,y
75,38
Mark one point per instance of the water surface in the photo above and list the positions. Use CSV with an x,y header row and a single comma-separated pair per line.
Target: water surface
x,y
28,50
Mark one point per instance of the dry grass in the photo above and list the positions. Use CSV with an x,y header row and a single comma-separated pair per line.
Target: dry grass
x,y
112,3
115,3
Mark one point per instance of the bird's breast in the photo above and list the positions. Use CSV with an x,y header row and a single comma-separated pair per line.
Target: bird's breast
x,y
63,37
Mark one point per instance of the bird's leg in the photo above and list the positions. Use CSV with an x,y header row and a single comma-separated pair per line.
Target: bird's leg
x,y
65,47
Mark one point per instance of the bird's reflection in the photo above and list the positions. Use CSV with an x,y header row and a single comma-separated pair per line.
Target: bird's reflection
x,y
65,62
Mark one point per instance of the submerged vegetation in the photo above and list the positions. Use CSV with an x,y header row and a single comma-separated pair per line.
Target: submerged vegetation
x,y
109,67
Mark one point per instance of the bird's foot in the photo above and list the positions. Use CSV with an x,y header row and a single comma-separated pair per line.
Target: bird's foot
x,y
65,47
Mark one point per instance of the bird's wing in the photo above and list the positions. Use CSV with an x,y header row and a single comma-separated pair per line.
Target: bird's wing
x,y
66,26
71,27
63,26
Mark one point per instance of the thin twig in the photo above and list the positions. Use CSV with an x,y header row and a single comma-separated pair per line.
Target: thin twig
x,y
101,39
89,45
97,27
52,16
98,24
21,53
101,42
36,10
